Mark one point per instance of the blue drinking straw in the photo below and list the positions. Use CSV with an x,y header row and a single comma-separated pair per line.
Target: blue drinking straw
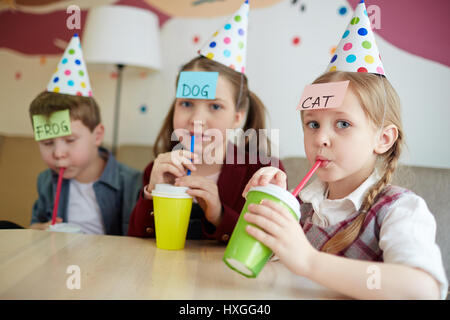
x,y
192,150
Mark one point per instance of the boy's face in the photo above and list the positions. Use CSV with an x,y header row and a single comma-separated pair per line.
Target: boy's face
x,y
344,138
76,152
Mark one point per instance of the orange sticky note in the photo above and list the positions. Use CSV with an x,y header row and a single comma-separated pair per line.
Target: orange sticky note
x,y
323,95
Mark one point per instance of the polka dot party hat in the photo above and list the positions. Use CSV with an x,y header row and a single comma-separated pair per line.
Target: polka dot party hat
x,y
228,45
357,51
71,77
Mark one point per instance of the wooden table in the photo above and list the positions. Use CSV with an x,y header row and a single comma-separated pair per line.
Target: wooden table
x,y
34,264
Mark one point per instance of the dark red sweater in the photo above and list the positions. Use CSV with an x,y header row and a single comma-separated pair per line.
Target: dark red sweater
x,y
232,180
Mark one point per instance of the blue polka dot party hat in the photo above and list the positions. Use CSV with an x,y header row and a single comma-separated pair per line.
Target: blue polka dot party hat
x,y
71,77
228,45
357,51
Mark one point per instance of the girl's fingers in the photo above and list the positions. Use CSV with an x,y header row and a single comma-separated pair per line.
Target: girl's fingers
x,y
247,187
265,179
185,154
206,196
188,164
171,168
190,156
164,163
261,213
252,183
262,236
256,180
182,159
196,182
269,226
178,157
280,179
260,178
280,175
283,213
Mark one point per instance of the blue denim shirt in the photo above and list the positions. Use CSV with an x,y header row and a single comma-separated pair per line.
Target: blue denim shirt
x,y
116,191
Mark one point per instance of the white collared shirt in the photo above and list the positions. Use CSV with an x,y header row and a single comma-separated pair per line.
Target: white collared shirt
x,y
407,234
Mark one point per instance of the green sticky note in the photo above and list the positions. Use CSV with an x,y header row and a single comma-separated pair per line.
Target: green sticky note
x,y
57,125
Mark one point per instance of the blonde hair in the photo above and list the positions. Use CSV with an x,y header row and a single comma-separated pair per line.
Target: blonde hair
x,y
381,104
245,100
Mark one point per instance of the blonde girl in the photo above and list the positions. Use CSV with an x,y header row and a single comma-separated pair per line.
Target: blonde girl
x,y
358,234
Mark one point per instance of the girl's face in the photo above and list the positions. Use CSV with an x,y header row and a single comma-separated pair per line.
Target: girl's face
x,y
208,119
344,138
75,152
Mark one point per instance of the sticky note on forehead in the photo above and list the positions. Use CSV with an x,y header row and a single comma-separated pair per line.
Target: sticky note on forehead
x,y
323,95
57,125
197,85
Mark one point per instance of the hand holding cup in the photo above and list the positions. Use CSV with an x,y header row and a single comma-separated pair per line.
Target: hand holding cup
x,y
265,176
169,166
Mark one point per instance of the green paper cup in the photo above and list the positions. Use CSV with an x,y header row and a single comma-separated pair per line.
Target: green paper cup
x,y
244,253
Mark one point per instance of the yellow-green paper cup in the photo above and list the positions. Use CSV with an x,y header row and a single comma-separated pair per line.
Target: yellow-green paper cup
x,y
244,253
172,209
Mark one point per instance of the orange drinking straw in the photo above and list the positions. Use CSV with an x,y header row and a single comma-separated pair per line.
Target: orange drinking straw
x,y
306,178
58,191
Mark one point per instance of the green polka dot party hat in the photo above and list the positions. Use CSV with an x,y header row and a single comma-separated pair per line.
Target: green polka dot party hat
x,y
71,77
357,50
228,45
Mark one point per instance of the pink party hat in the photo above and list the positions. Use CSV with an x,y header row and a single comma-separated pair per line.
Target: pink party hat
x,y
228,45
357,51
71,77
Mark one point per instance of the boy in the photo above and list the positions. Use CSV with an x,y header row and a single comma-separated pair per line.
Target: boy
x,y
98,193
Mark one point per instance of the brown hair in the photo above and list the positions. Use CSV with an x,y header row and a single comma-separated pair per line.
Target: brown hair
x,y
80,108
381,104
247,100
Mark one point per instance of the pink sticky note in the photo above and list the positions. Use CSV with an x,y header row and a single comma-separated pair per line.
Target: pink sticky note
x,y
323,95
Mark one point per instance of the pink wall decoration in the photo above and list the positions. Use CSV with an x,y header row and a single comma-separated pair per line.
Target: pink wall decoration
x,y
418,27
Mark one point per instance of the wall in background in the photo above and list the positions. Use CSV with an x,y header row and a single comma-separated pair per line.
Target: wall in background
x,y
289,44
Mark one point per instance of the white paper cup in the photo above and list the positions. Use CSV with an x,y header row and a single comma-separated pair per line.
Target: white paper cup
x,y
65,227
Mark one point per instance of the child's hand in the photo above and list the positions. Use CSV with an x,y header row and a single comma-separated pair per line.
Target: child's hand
x,y
282,233
264,176
44,225
171,165
207,194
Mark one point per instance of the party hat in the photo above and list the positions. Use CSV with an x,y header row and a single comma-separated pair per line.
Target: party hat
x,y
71,77
357,51
228,45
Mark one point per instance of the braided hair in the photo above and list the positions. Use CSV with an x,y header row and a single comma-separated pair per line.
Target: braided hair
x,y
381,104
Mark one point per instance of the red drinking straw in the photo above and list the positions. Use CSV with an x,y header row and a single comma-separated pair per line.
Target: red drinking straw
x,y
306,178
58,191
